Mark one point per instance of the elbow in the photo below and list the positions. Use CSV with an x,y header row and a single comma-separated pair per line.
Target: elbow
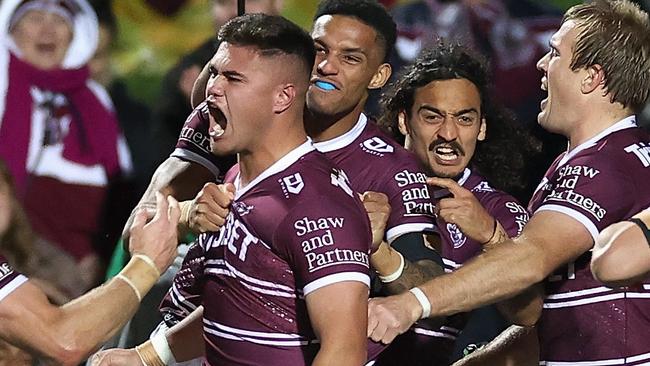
x,y
68,355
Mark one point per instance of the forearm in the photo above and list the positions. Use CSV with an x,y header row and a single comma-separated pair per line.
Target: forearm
x,y
515,346
87,322
524,309
186,338
490,277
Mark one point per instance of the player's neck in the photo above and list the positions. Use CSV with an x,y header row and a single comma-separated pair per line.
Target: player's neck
x,y
324,128
277,143
594,122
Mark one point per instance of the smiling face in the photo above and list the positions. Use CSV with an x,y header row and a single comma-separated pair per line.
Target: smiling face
x,y
559,110
240,97
444,125
43,38
348,56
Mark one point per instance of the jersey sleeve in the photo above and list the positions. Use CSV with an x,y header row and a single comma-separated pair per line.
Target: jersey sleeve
x,y
194,141
10,280
588,190
325,242
509,212
184,295
410,201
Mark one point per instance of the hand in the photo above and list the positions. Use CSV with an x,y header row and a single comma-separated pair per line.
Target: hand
x,y
464,210
391,316
116,357
158,238
186,81
378,209
208,211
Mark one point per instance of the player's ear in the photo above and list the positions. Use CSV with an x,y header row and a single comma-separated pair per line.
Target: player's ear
x,y
402,123
381,76
285,96
482,131
594,78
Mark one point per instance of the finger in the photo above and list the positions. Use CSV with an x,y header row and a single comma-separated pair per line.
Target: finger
x,y
450,184
161,207
389,336
139,220
219,195
372,320
174,212
378,333
209,222
212,208
449,203
228,189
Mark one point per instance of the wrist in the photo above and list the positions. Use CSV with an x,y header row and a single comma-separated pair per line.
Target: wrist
x,y
423,308
397,273
148,355
385,260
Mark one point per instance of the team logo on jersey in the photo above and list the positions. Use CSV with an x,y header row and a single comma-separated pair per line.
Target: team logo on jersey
x,y
376,146
242,208
483,187
292,184
457,237
340,179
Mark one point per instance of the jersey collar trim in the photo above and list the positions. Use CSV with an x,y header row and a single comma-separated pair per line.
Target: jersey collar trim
x,y
345,139
280,165
627,122
466,173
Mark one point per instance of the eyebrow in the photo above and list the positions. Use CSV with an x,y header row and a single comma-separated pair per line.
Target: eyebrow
x,y
344,50
456,114
227,73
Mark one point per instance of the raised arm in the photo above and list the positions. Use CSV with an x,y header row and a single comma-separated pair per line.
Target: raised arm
x,y
621,254
66,335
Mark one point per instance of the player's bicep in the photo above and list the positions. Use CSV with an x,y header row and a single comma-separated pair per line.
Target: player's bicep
x,y
339,312
555,239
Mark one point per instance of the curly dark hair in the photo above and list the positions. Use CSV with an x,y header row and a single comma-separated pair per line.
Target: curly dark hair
x,y
502,157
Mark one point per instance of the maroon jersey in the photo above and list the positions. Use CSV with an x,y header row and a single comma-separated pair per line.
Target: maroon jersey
x,y
374,162
424,344
294,229
600,182
194,143
9,278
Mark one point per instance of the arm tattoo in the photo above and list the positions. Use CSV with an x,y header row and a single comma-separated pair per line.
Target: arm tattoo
x,y
414,274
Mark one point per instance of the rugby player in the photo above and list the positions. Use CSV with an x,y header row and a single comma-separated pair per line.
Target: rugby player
x,y
596,75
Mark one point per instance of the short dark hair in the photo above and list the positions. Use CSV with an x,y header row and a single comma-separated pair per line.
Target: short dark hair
x,y
369,12
504,155
272,35
616,36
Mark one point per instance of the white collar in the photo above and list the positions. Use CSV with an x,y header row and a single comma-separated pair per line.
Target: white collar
x,y
280,165
627,122
466,173
345,139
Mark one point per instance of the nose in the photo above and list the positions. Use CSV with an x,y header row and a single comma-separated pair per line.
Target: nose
x,y
215,86
543,62
448,130
326,64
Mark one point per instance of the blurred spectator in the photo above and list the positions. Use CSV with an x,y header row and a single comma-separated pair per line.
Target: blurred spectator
x,y
134,119
173,105
33,256
58,133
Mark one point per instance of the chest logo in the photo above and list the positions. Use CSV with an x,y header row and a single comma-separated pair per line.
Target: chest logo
x,y
377,145
457,237
292,184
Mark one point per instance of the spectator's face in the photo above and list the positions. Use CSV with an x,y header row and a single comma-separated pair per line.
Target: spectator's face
x,y
43,38
240,94
559,110
348,57
444,126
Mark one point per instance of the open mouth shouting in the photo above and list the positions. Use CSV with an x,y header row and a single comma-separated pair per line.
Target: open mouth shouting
x,y
219,128
447,153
